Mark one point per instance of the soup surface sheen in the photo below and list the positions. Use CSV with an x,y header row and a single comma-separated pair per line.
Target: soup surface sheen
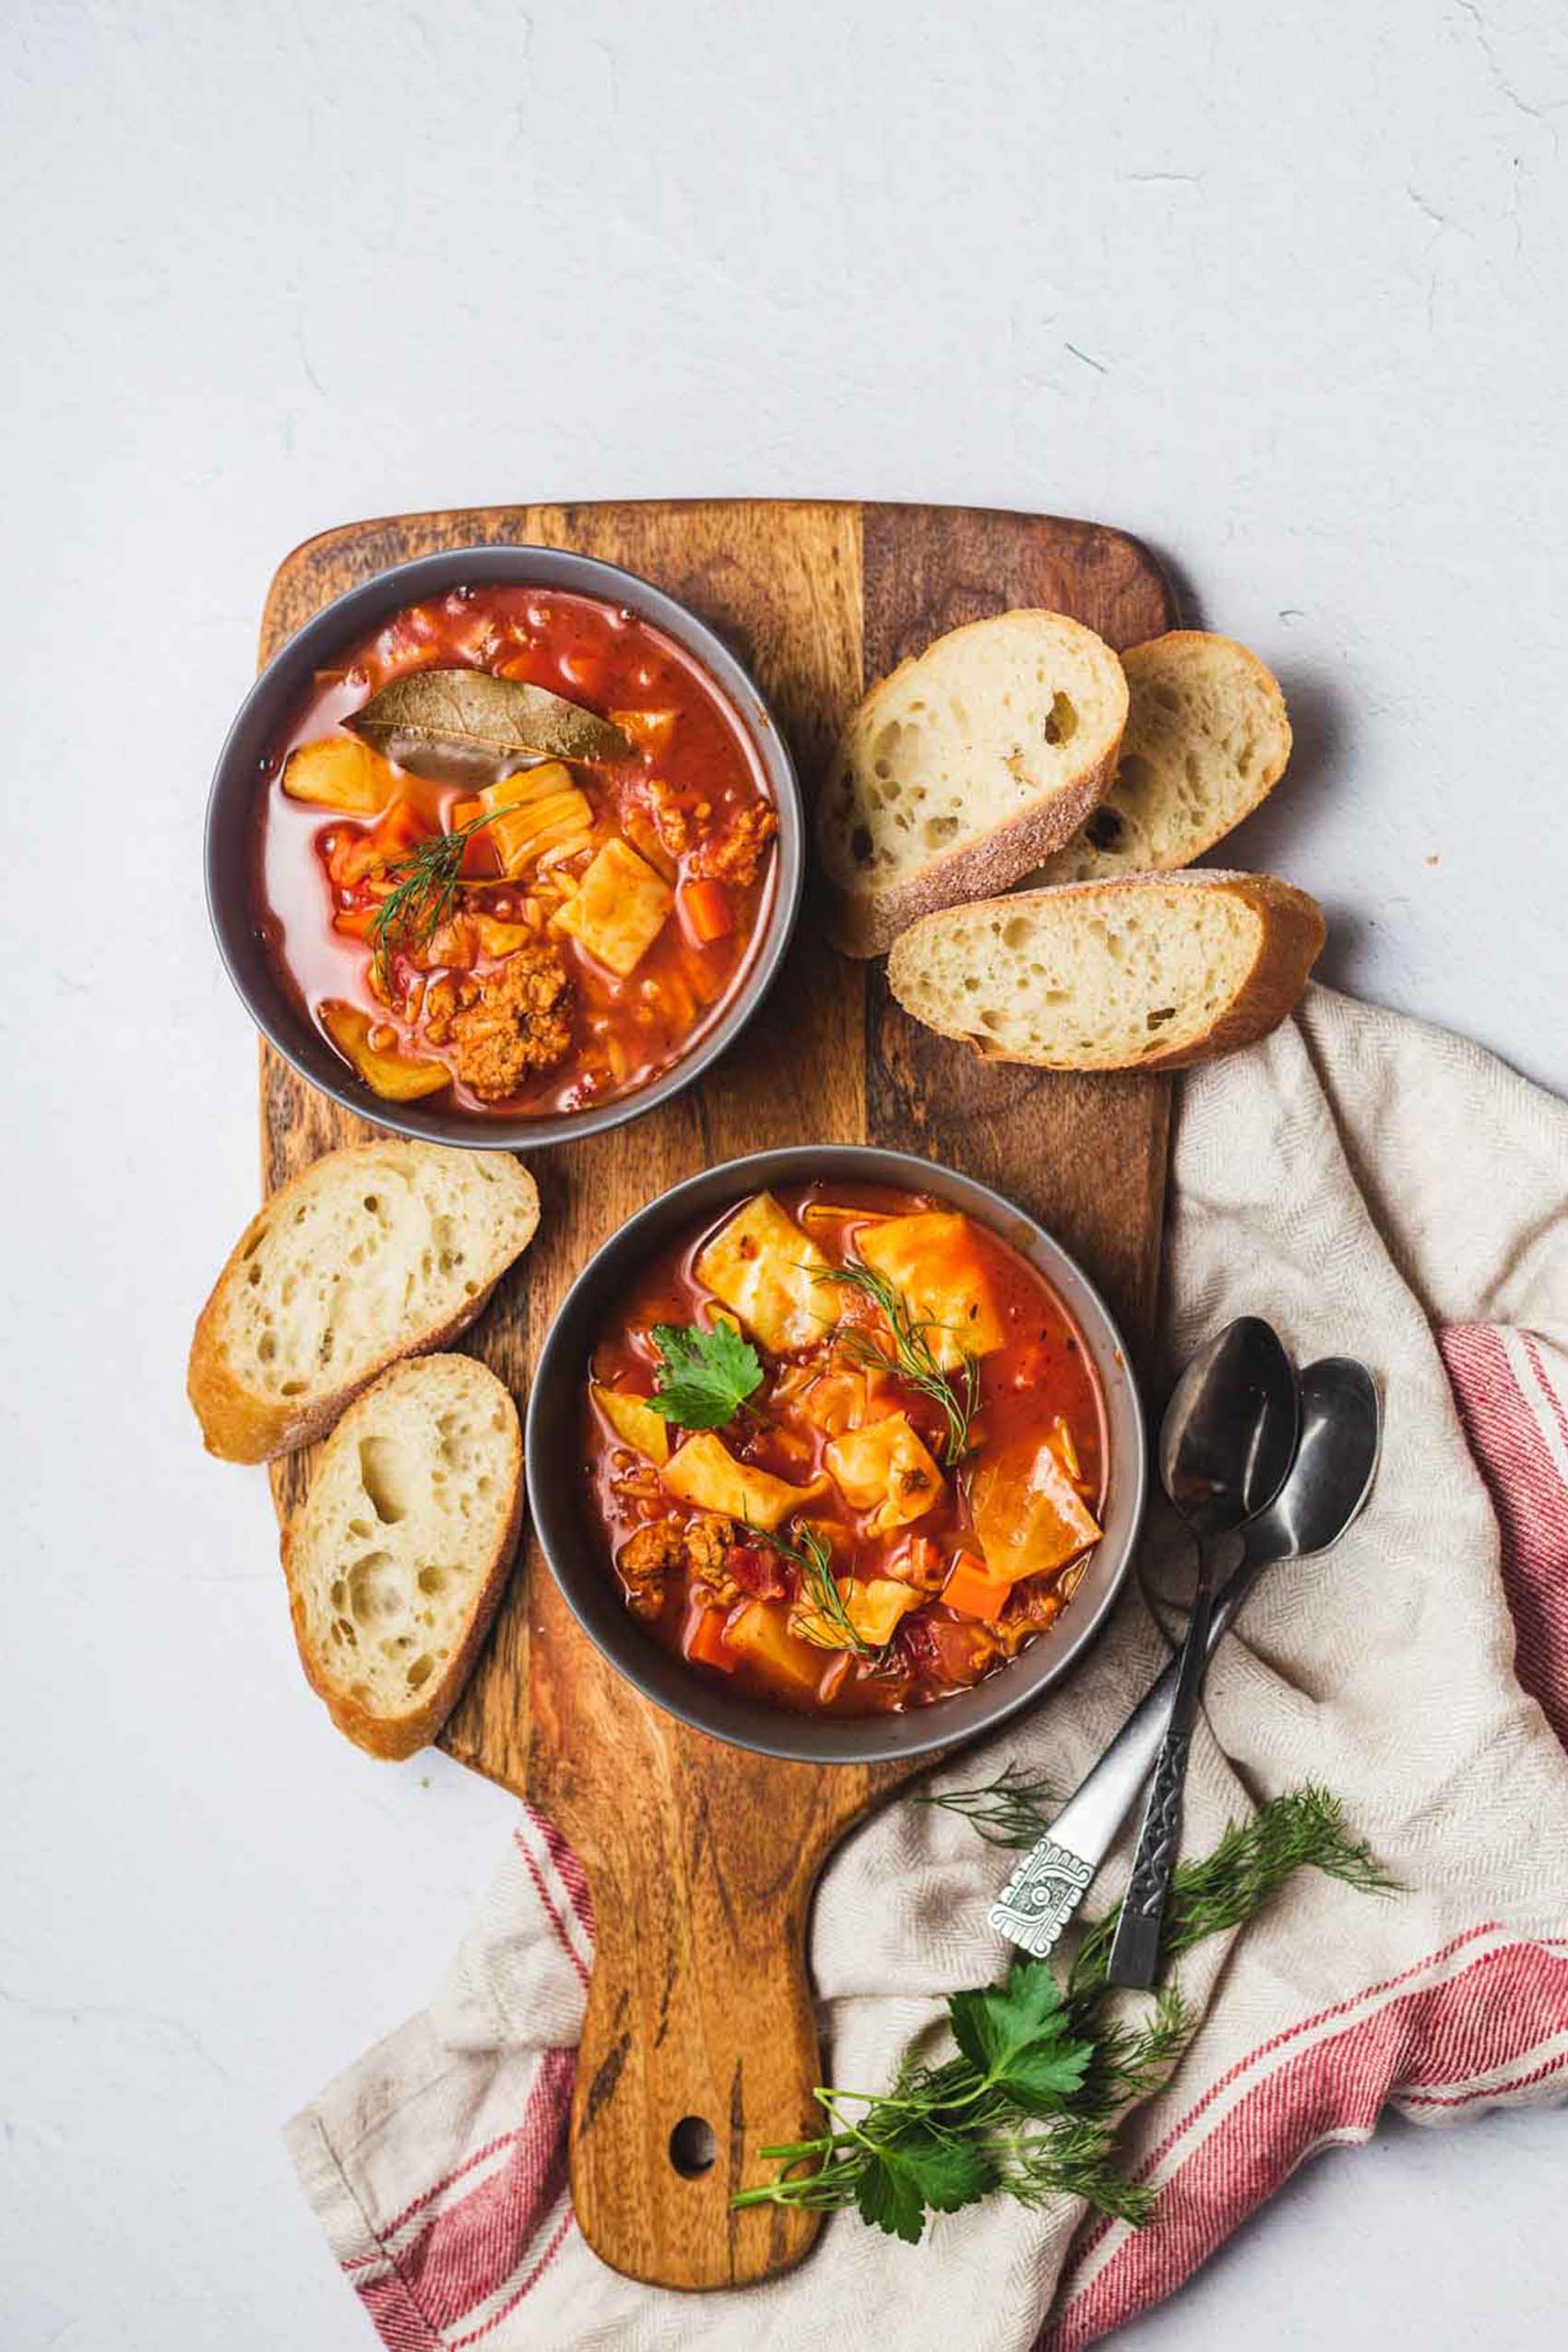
x,y
599,913
910,1488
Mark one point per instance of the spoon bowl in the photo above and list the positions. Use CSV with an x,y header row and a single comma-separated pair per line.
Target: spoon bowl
x,y
1231,1430
1334,1466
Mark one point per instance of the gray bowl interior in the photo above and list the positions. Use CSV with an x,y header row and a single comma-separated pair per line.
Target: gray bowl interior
x,y
271,704
555,1501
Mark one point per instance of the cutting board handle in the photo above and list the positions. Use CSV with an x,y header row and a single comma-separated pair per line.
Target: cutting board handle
x,y
699,2046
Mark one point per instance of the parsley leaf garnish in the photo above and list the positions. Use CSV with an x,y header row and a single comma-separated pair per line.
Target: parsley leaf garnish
x,y
920,2169
1021,2035
706,1376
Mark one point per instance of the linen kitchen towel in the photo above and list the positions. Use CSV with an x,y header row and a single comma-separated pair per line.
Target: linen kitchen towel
x,y
1378,1188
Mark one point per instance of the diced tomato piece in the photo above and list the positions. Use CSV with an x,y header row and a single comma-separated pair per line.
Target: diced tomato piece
x,y
974,1591
705,911
948,1650
705,1643
757,1571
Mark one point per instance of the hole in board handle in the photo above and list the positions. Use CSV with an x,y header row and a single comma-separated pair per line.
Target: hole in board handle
x,y
693,2148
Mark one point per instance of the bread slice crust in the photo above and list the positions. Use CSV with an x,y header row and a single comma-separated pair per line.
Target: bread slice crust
x,y
242,1420
1146,798
862,921
393,1737
1290,933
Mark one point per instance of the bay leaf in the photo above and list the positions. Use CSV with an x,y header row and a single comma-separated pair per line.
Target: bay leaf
x,y
466,727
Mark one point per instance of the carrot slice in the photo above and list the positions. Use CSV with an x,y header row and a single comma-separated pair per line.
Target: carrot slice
x,y
705,910
705,1644
972,1589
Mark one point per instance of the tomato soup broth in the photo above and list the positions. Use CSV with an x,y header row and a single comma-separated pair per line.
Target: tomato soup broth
x,y
880,1522
599,911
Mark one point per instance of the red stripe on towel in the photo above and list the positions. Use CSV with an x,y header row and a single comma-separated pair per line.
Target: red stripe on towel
x,y
573,1877
552,1908
1530,1499
1502,2006
467,2253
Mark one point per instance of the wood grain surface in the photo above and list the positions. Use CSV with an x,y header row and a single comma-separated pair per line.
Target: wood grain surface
x,y
701,1859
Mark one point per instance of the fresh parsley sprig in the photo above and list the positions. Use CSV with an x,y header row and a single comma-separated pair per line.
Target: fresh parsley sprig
x,y
948,2135
706,1376
913,1359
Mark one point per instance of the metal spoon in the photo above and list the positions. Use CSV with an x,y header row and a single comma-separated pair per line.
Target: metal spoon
x,y
1226,1447
1327,1489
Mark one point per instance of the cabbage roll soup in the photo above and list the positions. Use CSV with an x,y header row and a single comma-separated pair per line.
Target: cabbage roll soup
x,y
515,850
845,1448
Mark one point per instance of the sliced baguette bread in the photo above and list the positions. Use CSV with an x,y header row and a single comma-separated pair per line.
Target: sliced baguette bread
x,y
379,1250
397,1554
1145,971
963,769
1207,739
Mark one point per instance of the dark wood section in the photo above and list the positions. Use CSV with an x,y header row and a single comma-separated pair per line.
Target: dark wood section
x,y
1085,1155
702,1859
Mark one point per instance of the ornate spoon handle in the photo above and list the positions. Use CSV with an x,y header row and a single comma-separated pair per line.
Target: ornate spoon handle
x,y
1134,1953
1050,1880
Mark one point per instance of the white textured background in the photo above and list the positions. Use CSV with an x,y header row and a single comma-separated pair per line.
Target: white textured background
x,y
1280,289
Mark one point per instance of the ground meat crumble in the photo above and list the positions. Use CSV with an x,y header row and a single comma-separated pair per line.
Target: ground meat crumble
x,y
512,1020
735,853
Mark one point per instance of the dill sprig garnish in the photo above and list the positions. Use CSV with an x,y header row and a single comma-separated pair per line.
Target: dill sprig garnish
x,y
1028,2107
913,1357
829,1625
1304,1829
426,881
1012,1809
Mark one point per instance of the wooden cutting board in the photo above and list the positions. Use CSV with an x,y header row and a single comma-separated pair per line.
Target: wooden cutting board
x,y
701,1859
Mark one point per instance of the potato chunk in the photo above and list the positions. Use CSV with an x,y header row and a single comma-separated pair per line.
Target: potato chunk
x,y
705,1473
398,1077
1028,1514
762,1635
933,1259
761,1266
619,909
634,1420
885,1469
874,1604
340,773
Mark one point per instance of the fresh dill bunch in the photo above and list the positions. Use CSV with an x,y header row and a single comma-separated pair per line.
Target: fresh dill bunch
x,y
1302,1829
913,1357
1010,1811
426,881
828,1626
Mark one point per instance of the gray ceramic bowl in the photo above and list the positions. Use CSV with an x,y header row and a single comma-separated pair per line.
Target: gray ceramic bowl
x,y
555,1499
271,703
